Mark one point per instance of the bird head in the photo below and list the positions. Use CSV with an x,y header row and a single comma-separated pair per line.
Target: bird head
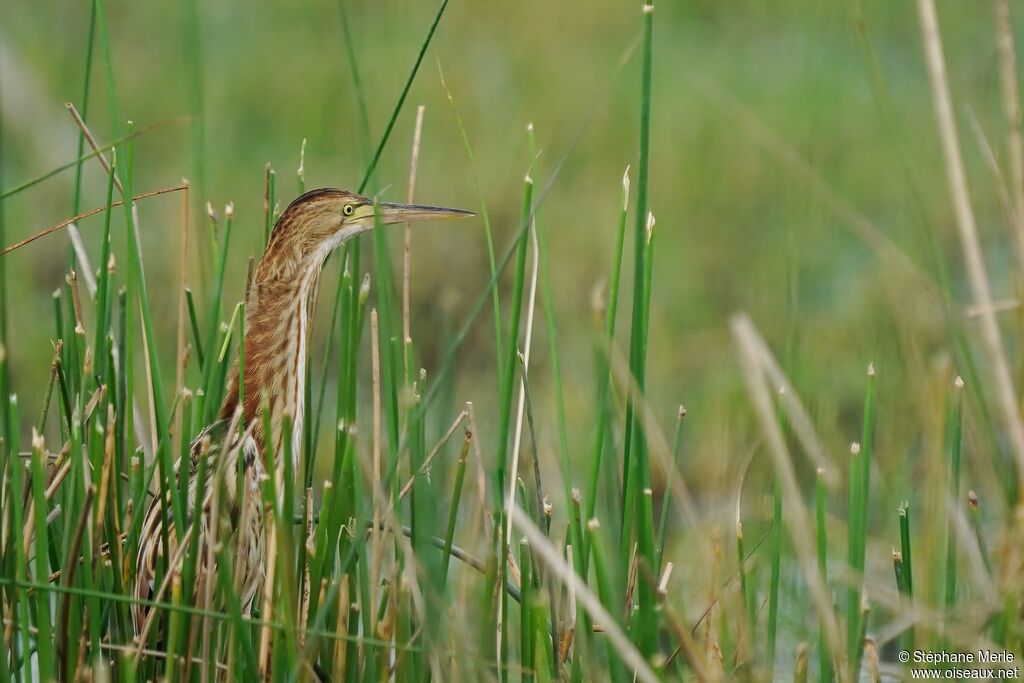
x,y
319,221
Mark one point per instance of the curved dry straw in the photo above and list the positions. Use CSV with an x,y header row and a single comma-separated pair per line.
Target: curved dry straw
x,y
90,212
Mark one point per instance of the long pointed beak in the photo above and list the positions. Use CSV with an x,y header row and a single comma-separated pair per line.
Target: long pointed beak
x,y
389,212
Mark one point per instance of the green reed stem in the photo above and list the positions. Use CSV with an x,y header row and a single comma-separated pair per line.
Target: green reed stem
x,y
268,204
954,439
213,316
677,441
44,638
453,509
526,631
604,373
637,350
860,475
5,375
974,514
775,551
401,98
908,564
21,607
76,202
608,592
820,497
512,346
192,49
102,303
635,465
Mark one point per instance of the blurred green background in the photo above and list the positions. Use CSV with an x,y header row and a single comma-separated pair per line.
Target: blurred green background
x,y
769,149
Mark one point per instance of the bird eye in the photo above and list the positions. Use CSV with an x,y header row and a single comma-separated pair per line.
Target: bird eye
x,y
348,209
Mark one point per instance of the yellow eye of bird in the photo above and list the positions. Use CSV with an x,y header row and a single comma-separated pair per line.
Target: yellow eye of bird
x,y
348,209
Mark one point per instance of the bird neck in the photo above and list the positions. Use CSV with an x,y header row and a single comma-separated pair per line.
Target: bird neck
x,y
277,320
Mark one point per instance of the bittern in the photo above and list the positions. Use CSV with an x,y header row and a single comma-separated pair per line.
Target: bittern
x,y
277,321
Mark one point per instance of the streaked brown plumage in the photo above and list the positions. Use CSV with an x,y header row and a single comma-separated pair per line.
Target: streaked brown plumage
x,y
276,331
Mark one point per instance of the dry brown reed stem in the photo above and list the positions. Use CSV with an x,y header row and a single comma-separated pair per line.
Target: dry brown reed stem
x,y
377,547
306,592
481,479
569,618
206,590
76,301
174,566
83,256
975,264
795,516
1011,110
105,476
627,603
134,210
265,655
173,569
245,522
982,583
386,522
179,378
149,389
158,654
30,518
71,565
410,568
87,134
59,475
459,419
524,356
796,414
687,646
1000,182
477,512
91,212
740,480
564,574
414,163
341,646
73,234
